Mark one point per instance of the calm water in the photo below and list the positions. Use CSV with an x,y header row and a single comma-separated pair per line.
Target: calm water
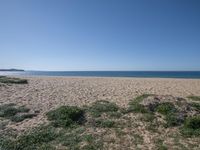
x,y
143,74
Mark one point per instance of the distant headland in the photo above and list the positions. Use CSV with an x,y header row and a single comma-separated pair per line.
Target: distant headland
x,y
11,70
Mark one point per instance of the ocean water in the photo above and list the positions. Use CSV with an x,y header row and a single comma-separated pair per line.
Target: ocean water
x,y
139,74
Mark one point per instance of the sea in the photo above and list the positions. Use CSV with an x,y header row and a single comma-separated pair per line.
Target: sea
x,y
133,74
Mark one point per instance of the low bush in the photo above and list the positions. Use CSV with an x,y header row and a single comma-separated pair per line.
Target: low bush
x,y
100,107
135,106
34,139
65,116
104,123
166,108
10,111
191,126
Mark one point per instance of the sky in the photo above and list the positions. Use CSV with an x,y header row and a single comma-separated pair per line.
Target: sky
x,y
69,35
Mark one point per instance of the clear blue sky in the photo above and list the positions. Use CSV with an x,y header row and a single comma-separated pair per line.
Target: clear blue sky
x,y
100,34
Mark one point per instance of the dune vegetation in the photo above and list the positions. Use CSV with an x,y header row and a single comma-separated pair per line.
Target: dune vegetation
x,y
171,122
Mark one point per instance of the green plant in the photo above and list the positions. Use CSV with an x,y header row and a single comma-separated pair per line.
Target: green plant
x,y
19,118
195,98
10,111
166,108
135,106
196,106
34,139
172,120
104,123
100,107
191,126
65,116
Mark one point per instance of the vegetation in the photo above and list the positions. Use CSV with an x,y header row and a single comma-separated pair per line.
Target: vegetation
x,y
194,98
13,112
104,123
166,108
191,126
135,106
100,107
35,139
196,106
65,116
103,126
11,80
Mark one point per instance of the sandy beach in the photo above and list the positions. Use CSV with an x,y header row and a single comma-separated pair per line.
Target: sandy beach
x,y
42,94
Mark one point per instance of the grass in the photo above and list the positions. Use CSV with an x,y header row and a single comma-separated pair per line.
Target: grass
x,y
135,106
104,123
9,80
65,116
19,118
100,107
35,139
170,112
191,127
166,108
11,111
194,98
196,106
101,126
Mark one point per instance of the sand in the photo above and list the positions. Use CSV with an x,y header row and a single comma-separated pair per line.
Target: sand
x,y
45,93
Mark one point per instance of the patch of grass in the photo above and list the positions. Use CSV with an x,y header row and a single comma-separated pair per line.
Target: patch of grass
x,y
65,116
191,126
19,118
7,80
135,106
10,111
115,114
166,108
194,98
100,107
196,106
35,139
104,123
172,120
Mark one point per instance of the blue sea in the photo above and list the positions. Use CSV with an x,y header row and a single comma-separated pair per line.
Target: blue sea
x,y
138,74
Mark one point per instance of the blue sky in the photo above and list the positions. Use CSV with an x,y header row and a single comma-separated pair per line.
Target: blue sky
x,y
100,34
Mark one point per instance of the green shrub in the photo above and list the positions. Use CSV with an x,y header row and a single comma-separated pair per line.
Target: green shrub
x,y
166,108
19,118
196,106
191,126
172,120
135,106
10,111
100,107
38,138
104,123
65,116
195,98
192,122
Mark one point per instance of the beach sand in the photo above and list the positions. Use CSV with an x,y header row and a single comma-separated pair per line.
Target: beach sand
x,y
42,94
